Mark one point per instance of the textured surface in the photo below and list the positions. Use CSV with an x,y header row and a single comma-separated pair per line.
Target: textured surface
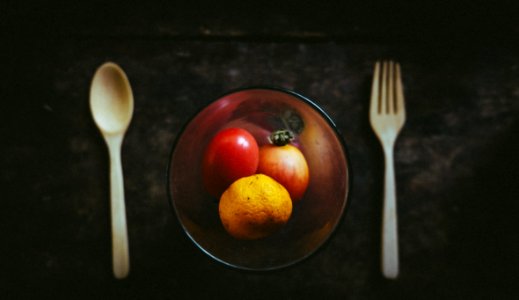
x,y
456,163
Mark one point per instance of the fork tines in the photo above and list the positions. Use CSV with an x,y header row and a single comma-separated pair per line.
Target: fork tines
x,y
390,99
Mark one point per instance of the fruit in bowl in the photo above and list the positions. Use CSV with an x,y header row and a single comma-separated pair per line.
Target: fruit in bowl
x,y
311,167
254,207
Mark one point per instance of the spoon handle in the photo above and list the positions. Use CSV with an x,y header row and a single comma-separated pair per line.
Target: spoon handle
x,y
120,252
390,264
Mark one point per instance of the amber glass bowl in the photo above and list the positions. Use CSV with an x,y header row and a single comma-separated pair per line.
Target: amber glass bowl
x,y
261,110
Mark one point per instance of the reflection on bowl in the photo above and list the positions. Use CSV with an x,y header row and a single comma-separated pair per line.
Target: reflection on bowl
x,y
262,110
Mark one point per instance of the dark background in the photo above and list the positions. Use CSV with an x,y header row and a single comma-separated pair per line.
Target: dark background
x,y
456,159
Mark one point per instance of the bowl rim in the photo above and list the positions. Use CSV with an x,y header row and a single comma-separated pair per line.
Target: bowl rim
x,y
339,137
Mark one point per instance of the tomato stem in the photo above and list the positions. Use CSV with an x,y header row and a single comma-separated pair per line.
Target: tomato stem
x,y
281,137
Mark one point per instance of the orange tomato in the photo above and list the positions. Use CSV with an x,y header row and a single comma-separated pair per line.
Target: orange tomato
x,y
287,165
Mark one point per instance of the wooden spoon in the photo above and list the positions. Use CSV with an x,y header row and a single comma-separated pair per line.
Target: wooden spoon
x,y
111,103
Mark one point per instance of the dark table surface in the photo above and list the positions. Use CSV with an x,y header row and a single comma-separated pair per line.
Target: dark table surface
x,y
456,159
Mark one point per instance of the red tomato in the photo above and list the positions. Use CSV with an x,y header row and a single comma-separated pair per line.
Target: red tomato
x,y
287,165
231,155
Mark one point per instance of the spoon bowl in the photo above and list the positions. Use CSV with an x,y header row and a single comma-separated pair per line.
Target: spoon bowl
x,y
111,103
111,99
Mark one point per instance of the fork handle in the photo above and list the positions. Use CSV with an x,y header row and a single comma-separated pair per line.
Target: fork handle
x,y
390,264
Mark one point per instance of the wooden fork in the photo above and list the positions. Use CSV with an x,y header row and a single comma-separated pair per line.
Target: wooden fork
x,y
387,117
